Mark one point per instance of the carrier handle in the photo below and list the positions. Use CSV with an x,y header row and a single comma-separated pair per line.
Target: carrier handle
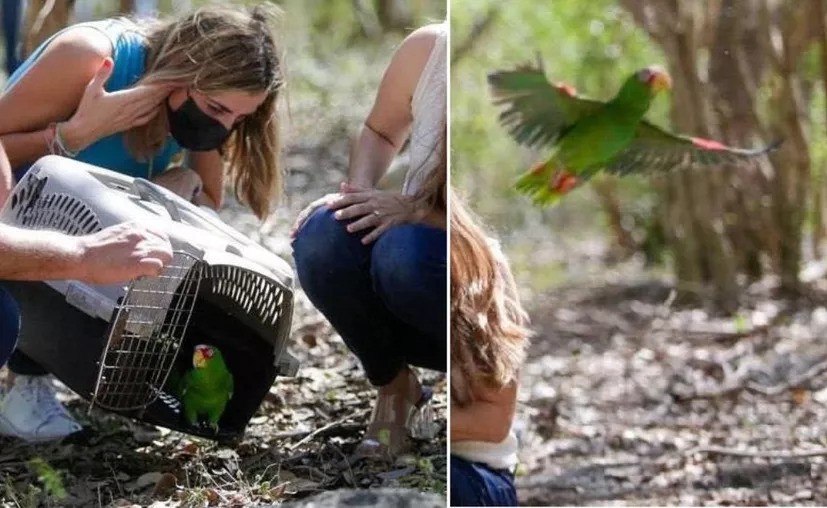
x,y
150,192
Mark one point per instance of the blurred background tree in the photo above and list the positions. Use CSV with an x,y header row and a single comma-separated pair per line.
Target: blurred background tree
x,y
745,71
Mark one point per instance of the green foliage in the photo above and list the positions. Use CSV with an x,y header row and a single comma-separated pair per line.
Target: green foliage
x,y
49,478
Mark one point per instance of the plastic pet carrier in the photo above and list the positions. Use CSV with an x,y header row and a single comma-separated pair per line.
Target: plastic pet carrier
x,y
122,346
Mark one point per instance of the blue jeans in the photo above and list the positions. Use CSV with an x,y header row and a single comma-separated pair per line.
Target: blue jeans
x,y
387,300
9,325
474,484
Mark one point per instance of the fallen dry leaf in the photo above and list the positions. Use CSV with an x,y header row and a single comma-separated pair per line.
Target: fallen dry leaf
x,y
165,486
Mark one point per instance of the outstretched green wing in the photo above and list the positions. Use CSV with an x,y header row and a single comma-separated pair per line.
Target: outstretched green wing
x,y
654,149
537,112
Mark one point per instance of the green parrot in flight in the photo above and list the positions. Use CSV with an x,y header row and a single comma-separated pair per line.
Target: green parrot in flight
x,y
207,387
587,136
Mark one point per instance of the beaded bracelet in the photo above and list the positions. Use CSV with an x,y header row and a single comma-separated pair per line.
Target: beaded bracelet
x,y
60,143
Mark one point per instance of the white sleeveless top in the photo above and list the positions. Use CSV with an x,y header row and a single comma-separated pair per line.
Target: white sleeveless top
x,y
502,455
428,108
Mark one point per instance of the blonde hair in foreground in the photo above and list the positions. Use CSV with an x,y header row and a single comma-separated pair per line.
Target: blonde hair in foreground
x,y
488,324
216,49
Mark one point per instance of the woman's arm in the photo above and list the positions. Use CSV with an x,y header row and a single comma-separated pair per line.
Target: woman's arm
x,y
210,167
431,217
66,85
488,418
49,92
390,119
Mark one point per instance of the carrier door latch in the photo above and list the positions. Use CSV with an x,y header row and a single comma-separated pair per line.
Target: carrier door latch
x,y
287,365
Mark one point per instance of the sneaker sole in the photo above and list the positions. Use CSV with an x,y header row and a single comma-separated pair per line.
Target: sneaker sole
x,y
9,430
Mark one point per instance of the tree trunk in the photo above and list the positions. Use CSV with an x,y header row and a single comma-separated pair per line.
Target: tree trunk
x,y
819,226
394,15
722,222
44,18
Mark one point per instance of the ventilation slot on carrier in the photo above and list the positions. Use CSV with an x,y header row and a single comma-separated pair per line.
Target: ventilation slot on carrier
x,y
253,293
59,212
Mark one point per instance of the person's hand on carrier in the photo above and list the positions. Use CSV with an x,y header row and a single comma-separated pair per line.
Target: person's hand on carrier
x,y
121,253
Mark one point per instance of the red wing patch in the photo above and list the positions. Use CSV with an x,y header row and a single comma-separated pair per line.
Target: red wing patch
x,y
708,144
564,182
566,89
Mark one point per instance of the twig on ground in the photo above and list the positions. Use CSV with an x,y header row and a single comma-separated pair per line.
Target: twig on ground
x,y
351,479
733,388
798,382
717,334
767,454
305,439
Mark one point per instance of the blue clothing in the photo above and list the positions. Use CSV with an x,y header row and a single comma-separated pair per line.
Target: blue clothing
x,y
387,300
9,325
474,484
11,32
129,57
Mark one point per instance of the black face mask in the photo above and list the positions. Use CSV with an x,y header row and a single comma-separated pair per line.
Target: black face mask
x,y
195,130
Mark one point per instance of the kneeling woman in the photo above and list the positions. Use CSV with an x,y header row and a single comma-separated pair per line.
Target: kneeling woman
x,y
129,97
488,341
374,262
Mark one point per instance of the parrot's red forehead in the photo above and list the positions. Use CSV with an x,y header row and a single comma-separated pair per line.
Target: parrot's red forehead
x,y
206,351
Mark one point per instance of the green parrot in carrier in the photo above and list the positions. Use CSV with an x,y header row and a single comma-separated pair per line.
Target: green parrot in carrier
x,y
587,136
206,388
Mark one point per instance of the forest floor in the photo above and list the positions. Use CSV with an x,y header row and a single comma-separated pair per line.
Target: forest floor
x,y
631,399
295,444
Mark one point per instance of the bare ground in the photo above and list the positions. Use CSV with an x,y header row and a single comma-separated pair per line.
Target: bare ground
x,y
631,399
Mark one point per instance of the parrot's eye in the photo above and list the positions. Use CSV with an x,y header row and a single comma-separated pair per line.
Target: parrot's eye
x,y
644,75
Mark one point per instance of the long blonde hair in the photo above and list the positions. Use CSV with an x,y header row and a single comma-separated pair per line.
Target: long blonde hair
x,y
216,49
432,194
489,331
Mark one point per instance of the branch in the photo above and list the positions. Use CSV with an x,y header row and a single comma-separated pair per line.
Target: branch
x,y
305,439
481,26
768,454
745,384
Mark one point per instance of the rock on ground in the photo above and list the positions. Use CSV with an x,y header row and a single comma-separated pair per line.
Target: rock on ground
x,y
378,498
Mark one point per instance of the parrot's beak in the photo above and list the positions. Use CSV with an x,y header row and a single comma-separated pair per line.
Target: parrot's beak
x,y
660,81
198,359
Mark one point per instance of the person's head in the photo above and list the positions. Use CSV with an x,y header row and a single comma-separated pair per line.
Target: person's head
x,y
488,324
230,70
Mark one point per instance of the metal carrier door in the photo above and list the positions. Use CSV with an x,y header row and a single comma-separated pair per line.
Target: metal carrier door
x,y
146,335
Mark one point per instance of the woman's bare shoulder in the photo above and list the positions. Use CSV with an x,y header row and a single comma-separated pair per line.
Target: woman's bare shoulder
x,y
421,41
81,43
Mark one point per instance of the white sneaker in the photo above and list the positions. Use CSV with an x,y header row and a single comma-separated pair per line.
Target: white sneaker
x,y
30,411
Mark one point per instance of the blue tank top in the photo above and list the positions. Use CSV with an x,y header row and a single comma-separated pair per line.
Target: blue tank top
x,y
129,57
